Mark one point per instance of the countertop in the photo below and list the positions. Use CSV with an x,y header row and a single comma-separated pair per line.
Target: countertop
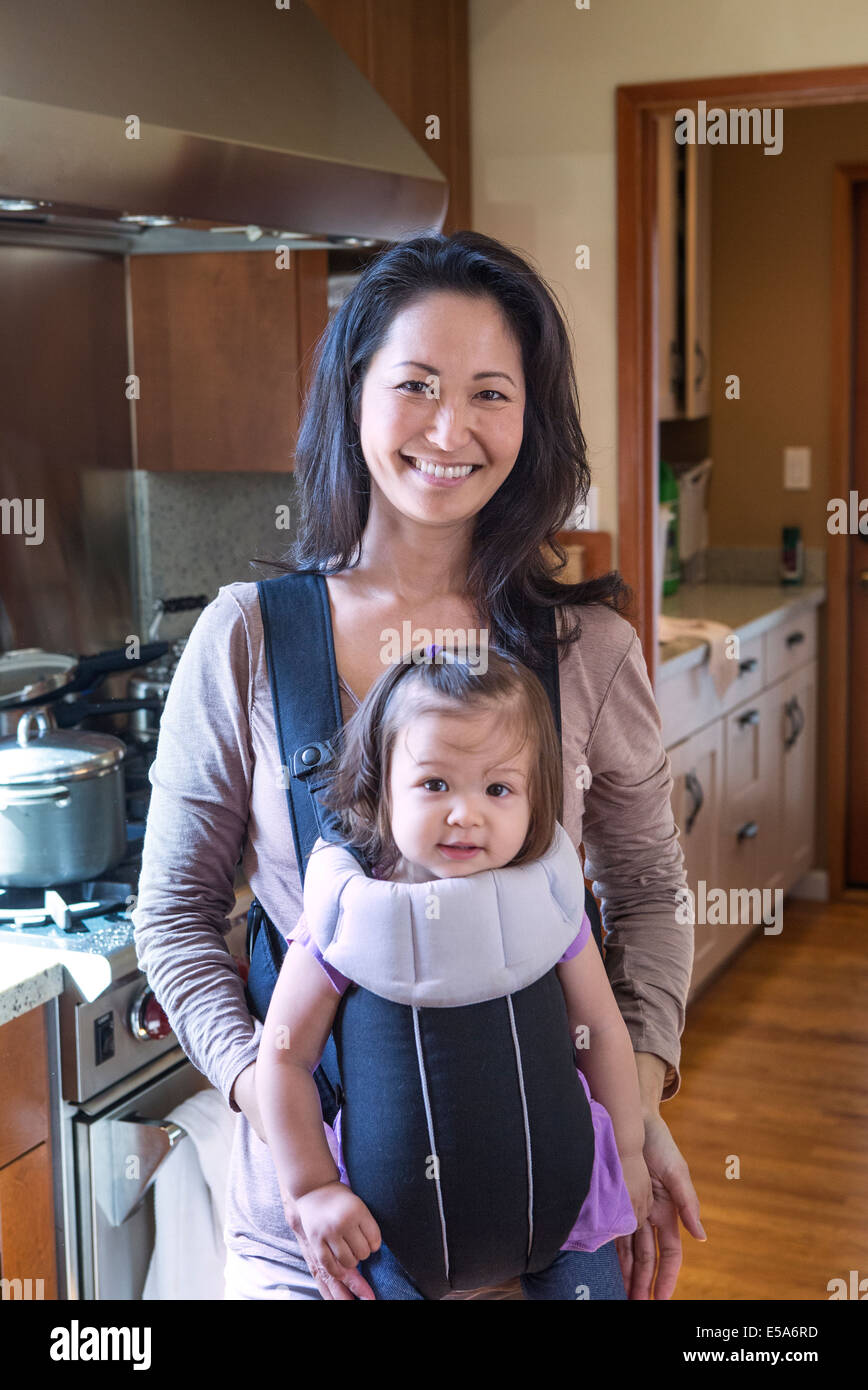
x,y
746,609
33,975
28,977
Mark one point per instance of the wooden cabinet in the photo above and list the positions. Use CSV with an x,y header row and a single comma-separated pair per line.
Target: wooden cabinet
x,y
683,276
697,775
744,782
415,53
27,1227
222,346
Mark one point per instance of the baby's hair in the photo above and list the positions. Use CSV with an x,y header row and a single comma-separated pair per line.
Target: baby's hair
x,y
434,677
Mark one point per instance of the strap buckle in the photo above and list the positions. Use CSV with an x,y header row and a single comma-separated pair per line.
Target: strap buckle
x,y
312,757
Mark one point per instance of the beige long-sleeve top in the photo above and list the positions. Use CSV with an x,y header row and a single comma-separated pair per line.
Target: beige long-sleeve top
x,y
218,797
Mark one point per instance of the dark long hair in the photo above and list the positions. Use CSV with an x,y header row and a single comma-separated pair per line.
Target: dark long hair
x,y
509,577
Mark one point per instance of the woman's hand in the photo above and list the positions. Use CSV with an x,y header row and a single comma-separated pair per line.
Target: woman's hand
x,y
673,1195
244,1094
335,1231
638,1182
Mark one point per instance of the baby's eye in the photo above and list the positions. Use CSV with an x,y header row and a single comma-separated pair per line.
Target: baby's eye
x,y
497,788
427,784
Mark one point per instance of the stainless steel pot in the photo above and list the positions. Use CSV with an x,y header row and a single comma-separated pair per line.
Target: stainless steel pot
x,y
61,804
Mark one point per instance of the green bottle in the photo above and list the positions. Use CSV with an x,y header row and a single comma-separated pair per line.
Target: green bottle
x,y
671,563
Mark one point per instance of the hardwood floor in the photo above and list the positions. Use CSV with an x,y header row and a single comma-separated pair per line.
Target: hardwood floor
x,y
775,1071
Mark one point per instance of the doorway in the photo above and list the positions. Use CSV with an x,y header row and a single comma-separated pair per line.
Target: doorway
x,y
844,673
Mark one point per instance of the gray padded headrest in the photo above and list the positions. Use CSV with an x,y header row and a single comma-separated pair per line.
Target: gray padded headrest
x,y
448,941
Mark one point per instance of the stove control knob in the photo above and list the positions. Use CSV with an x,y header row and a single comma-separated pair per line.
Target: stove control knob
x,y
147,1020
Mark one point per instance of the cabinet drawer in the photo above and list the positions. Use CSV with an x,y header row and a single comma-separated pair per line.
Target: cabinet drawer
x,y
690,701
791,644
24,1120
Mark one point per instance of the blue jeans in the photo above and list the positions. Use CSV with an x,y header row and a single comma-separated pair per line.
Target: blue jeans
x,y
598,1271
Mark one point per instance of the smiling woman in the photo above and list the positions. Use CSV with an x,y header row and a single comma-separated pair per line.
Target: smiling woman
x,y
440,453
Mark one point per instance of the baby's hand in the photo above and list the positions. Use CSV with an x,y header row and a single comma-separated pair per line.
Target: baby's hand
x,y
638,1181
339,1229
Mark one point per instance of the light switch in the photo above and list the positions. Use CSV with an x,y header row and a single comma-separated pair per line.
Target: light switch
x,y
797,469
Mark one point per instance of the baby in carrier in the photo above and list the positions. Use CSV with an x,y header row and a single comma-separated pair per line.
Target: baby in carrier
x,y
490,1122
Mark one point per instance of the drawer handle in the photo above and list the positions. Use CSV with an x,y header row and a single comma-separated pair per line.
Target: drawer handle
x,y
694,787
794,638
750,664
749,831
751,716
794,712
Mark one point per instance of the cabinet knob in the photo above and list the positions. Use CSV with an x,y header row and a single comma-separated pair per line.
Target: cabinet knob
x,y
863,579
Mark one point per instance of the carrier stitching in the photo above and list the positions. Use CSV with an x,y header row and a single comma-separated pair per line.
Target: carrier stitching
x,y
517,1050
430,1123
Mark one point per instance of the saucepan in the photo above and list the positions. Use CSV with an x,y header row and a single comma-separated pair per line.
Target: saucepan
x,y
31,678
61,804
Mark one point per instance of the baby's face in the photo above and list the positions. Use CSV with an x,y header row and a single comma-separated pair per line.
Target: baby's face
x,y
457,779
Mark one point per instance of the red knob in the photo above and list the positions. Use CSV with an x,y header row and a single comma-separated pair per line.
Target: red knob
x,y
147,1019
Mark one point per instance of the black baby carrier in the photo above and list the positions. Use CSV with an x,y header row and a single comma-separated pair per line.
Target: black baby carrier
x,y
466,1129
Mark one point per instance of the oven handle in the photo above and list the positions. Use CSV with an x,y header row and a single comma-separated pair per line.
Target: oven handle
x,y
139,1145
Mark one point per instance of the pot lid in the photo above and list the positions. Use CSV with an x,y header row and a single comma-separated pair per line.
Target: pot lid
x,y
39,753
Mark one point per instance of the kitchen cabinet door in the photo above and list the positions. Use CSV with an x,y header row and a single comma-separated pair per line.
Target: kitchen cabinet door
x,y
746,823
683,266
222,345
697,290
797,705
27,1234
670,369
24,1105
697,778
415,53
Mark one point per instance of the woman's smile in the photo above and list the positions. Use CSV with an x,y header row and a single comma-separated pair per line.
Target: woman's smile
x,y
435,473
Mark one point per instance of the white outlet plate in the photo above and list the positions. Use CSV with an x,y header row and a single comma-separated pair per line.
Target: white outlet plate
x,y
797,469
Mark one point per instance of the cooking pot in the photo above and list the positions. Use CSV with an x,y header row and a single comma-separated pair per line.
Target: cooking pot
x,y
31,678
61,804
149,687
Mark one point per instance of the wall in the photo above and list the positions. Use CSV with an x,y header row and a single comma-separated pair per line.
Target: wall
x,y
543,79
771,321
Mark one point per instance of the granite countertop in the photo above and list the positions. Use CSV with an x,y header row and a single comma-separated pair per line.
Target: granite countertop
x,y
747,609
27,979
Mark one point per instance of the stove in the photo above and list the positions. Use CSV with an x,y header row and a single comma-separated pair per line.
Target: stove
x,y
116,1070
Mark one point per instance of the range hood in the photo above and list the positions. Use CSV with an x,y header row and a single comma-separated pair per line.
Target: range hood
x,y
253,129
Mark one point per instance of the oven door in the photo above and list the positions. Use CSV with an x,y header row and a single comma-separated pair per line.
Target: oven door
x,y
119,1142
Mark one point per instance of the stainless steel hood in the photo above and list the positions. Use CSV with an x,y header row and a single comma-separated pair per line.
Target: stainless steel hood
x,y
251,129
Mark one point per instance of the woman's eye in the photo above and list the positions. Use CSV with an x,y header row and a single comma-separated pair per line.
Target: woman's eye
x,y
440,787
491,394
408,387
498,787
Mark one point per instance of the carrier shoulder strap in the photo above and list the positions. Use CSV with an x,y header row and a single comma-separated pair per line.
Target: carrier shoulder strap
x,y
299,649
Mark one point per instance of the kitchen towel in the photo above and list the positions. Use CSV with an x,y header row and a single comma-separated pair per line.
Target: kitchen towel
x,y
189,1256
723,668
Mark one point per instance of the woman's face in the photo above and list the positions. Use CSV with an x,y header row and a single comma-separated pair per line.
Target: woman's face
x,y
445,391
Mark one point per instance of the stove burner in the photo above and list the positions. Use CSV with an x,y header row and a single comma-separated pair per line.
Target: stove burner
x,y
65,908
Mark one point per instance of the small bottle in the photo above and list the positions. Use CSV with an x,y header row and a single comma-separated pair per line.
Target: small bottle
x,y
668,497
792,556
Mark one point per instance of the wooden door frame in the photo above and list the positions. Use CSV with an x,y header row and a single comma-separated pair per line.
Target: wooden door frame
x,y
847,176
636,107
